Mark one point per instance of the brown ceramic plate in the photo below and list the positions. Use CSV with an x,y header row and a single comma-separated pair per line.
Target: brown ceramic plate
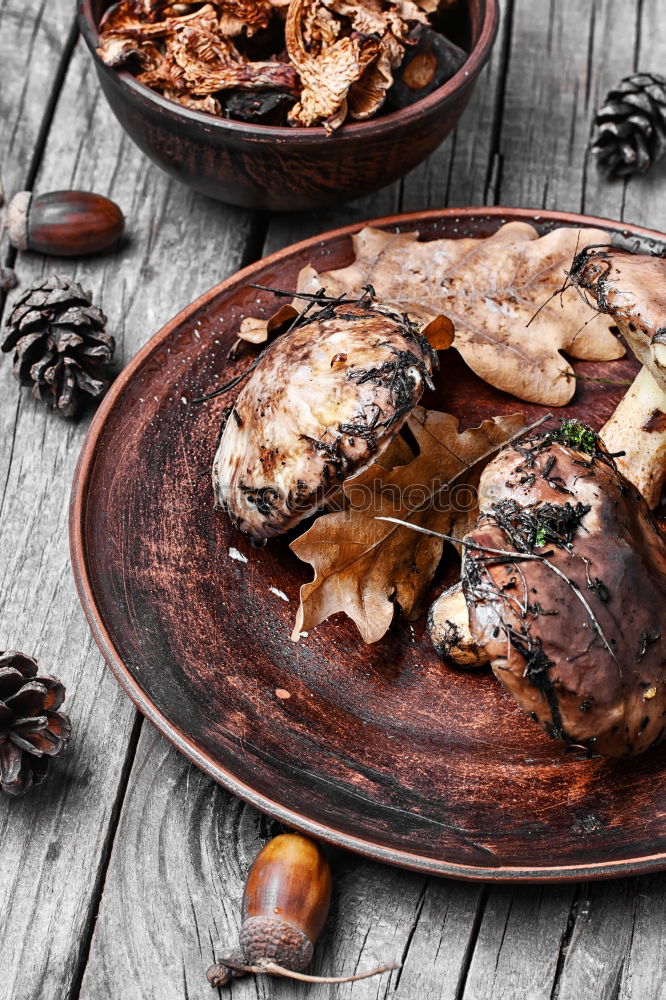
x,y
381,749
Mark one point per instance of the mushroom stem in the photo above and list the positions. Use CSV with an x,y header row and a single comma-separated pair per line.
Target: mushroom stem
x,y
448,627
638,428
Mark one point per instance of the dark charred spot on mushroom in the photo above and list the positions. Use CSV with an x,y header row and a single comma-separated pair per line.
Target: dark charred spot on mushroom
x,y
264,498
655,422
545,524
451,637
263,107
646,640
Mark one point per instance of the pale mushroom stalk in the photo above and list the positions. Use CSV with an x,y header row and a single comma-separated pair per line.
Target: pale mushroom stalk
x,y
448,627
631,288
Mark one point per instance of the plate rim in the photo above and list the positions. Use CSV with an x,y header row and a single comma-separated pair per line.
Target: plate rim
x,y
77,513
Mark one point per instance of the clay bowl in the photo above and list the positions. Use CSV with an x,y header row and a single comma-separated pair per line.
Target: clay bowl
x,y
290,169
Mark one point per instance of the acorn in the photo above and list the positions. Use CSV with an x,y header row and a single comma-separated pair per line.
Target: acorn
x,y
285,905
63,223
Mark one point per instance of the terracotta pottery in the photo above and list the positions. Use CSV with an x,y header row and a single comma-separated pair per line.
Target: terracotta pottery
x,y
382,749
287,169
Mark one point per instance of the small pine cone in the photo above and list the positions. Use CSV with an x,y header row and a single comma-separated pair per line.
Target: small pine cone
x,y
630,128
60,347
31,730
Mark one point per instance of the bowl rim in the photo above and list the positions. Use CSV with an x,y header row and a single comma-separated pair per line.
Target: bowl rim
x,y
465,76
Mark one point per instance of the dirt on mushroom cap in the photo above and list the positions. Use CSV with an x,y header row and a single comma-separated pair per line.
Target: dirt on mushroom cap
x,y
573,629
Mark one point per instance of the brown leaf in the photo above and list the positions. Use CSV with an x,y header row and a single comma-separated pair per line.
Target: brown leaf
x,y
497,292
256,331
365,567
440,333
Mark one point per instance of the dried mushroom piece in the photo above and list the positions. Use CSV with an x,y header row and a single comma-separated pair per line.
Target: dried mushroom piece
x,y
206,64
499,293
340,60
125,32
197,55
565,581
208,104
326,75
321,403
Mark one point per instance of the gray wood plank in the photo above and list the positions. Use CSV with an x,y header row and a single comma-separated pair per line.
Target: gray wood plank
x,y
644,199
55,843
33,49
34,38
617,942
518,945
644,969
174,886
563,56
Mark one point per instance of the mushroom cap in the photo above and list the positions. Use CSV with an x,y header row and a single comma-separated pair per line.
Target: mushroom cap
x,y
324,402
632,289
585,657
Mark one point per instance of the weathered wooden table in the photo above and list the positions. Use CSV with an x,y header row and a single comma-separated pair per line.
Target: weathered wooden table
x,y
118,876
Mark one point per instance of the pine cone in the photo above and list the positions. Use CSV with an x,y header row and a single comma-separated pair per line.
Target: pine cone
x,y
31,730
60,347
631,126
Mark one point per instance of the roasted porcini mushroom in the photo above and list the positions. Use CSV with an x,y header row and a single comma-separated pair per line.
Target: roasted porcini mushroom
x,y
631,288
322,402
565,578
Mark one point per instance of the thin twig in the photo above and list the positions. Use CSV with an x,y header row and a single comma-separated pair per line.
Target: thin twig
x,y
513,556
591,378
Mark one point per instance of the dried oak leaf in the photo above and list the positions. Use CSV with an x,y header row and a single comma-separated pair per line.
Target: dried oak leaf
x,y
327,70
500,293
255,331
365,567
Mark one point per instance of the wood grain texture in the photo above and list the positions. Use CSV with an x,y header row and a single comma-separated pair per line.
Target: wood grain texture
x,y
55,844
519,942
34,41
174,891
